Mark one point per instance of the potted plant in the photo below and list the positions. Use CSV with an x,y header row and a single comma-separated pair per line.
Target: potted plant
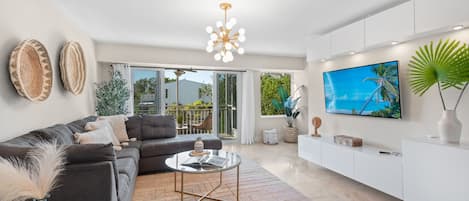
x,y
447,66
288,105
112,96
179,120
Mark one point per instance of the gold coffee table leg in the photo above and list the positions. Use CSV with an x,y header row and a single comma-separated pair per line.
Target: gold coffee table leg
x,y
237,183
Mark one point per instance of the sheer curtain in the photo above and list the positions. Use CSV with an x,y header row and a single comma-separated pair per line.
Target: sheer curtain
x,y
247,109
126,74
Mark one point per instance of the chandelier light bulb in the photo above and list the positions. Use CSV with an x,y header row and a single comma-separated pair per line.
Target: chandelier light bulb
x,y
209,49
225,60
209,29
228,46
241,51
229,54
213,36
242,38
219,24
242,31
229,25
210,43
217,57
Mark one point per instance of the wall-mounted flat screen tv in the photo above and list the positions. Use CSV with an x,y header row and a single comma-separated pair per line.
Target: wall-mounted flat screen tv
x,y
371,90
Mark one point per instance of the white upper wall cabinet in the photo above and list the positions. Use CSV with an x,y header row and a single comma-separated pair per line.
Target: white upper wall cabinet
x,y
319,48
432,15
348,38
395,24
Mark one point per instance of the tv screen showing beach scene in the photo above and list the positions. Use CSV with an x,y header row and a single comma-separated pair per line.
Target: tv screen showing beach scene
x,y
371,90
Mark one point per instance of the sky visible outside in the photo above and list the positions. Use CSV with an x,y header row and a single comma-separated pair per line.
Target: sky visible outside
x,y
199,76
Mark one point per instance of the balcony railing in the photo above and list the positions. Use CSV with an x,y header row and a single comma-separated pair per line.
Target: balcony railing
x,y
194,121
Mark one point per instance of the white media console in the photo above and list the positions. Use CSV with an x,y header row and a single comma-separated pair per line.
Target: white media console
x,y
363,164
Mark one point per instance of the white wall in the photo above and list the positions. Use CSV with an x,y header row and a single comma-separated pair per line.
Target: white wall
x,y
138,54
420,114
41,20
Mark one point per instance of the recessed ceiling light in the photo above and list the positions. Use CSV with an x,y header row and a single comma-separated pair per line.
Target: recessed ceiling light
x,y
458,27
394,42
352,53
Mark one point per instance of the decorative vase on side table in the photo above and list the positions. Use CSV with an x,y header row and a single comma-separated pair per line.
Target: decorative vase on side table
x,y
449,127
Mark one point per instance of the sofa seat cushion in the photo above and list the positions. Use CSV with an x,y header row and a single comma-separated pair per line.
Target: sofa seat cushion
x,y
126,166
126,185
132,153
180,143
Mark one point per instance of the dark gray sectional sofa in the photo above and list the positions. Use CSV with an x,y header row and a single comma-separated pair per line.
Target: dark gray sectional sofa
x,y
96,172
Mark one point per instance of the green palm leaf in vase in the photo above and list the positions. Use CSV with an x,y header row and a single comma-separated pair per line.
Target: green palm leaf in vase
x,y
446,65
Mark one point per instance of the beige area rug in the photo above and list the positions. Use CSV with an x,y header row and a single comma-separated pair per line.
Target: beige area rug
x,y
256,184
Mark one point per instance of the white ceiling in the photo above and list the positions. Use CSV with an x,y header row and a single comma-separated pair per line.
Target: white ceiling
x,y
274,27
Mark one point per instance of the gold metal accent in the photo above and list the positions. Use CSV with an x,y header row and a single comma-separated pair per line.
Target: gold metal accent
x,y
206,195
225,6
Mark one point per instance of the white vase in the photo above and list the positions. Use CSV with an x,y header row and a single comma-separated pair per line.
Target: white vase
x,y
449,127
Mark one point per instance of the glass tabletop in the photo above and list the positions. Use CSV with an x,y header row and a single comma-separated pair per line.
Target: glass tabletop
x,y
176,161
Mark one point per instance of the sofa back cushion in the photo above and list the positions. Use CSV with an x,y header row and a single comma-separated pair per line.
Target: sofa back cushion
x,y
134,127
59,133
158,126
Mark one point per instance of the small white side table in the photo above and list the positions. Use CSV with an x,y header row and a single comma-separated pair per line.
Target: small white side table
x,y
270,136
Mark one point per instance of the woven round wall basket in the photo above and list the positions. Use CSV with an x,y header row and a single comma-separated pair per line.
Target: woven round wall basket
x,y
73,67
31,70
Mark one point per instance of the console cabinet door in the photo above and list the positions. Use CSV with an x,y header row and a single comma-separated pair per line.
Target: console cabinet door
x,y
380,171
309,149
338,159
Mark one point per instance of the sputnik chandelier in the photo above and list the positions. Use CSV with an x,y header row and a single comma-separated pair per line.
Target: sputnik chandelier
x,y
224,40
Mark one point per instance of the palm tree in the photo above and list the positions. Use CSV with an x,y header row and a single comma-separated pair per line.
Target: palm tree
x,y
387,77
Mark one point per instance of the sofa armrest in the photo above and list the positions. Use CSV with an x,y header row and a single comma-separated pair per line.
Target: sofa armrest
x,y
88,153
87,181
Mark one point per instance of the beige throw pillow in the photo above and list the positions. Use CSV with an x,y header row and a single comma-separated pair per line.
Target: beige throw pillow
x,y
118,126
91,126
98,136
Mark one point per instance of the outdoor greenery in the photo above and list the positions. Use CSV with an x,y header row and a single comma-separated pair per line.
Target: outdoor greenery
x,y
287,104
446,65
112,95
142,87
270,82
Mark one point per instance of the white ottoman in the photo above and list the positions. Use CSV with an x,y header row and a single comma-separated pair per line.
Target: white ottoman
x,y
270,136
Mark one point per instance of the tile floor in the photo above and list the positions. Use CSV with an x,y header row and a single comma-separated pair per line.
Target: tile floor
x,y
315,182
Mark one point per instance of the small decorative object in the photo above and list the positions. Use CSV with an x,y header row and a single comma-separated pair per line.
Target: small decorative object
x,y
348,140
288,104
179,120
112,96
199,145
34,180
31,70
73,67
270,136
316,123
447,66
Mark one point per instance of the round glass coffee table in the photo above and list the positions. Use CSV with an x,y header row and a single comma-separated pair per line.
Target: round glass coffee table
x,y
176,162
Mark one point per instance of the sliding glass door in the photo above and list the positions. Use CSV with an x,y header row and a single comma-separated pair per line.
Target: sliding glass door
x,y
227,100
146,90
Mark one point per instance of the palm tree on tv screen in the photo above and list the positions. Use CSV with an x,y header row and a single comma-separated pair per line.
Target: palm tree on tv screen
x,y
386,85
